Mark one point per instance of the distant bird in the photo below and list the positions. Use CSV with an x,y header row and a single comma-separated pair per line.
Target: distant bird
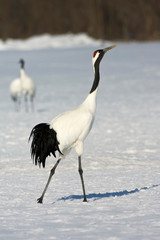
x,y
28,86
15,92
68,130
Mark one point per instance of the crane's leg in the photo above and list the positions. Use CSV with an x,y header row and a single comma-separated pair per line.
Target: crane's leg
x,y
40,200
32,103
80,170
26,102
16,106
19,104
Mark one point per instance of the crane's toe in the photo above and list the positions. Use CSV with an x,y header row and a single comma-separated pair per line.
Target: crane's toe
x,y
40,200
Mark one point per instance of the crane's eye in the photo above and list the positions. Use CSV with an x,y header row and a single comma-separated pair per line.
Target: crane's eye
x,y
94,54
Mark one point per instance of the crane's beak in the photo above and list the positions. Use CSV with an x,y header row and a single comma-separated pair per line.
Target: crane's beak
x,y
109,48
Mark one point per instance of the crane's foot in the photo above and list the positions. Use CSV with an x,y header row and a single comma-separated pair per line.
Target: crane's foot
x,y
40,200
85,200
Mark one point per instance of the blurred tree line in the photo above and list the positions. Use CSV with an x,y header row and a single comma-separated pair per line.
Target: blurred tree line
x,y
106,19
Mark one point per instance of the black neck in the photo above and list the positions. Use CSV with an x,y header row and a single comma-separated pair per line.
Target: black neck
x,y
22,65
96,68
96,78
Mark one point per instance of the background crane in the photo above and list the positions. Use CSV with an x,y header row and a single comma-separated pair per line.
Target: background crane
x,y
23,85
28,87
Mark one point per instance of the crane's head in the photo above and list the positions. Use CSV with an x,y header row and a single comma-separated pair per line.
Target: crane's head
x,y
98,54
21,61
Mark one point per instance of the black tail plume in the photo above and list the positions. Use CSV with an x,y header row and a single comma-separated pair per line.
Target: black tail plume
x,y
44,142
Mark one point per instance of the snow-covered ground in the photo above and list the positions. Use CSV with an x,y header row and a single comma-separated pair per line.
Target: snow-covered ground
x,y
121,161
49,41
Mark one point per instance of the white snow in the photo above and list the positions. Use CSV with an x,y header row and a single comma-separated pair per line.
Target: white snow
x,y
121,160
49,41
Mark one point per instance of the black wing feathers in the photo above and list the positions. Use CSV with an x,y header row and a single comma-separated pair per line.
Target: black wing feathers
x,y
44,142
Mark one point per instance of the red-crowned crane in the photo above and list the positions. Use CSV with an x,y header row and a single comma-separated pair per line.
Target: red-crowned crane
x,y
68,130
15,92
28,86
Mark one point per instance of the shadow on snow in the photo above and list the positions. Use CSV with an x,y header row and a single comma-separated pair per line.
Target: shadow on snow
x,y
97,196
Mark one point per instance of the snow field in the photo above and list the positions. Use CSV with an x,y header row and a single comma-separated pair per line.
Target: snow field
x,y
121,160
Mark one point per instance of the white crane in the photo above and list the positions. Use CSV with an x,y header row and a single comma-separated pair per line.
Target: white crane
x,y
28,86
68,130
15,92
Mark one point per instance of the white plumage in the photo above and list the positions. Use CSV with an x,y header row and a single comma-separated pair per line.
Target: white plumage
x,y
77,124
15,92
67,130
